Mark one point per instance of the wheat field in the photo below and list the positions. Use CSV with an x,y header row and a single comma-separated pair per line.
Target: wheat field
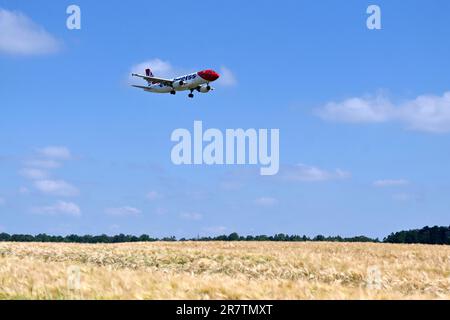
x,y
224,270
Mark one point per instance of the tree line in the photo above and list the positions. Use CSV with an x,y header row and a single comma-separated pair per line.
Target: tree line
x,y
426,235
433,235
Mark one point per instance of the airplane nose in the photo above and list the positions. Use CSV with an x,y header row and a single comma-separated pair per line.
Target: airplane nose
x,y
209,75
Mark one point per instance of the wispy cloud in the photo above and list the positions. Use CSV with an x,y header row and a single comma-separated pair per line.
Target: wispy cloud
x,y
2,201
59,208
23,190
33,174
214,230
266,201
306,173
191,215
231,185
403,196
227,77
37,169
43,163
153,195
56,152
427,113
390,183
160,211
20,35
123,211
56,188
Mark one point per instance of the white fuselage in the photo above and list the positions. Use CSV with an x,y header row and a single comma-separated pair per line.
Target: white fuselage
x,y
187,82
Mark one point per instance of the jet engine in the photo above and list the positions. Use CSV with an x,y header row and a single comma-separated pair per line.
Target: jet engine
x,y
178,84
204,89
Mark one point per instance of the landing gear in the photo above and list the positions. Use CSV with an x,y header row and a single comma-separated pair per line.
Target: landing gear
x,y
172,92
191,95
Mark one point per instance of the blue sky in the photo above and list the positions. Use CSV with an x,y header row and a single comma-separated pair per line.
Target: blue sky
x,y
364,117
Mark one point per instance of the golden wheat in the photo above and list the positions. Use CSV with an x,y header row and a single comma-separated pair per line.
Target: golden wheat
x,y
224,270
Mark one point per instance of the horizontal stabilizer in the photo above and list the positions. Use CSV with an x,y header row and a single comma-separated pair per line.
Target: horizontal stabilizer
x,y
140,87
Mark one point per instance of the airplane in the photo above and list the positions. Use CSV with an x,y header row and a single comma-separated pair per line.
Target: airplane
x,y
198,81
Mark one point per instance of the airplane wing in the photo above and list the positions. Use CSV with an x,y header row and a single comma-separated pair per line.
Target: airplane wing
x,y
167,82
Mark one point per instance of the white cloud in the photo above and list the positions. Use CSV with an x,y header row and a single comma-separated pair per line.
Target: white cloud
x,y
56,188
191,215
37,170
33,174
49,157
266,201
227,77
123,211
358,110
154,195
427,113
390,183
61,207
302,172
55,152
20,35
